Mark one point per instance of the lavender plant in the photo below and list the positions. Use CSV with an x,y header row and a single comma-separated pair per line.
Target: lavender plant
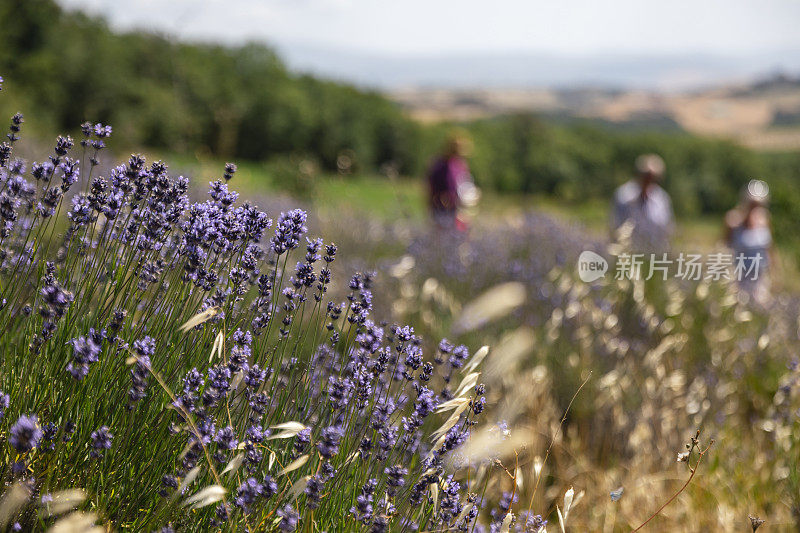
x,y
659,359
274,407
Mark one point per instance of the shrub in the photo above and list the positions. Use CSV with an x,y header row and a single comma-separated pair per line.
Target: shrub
x,y
275,405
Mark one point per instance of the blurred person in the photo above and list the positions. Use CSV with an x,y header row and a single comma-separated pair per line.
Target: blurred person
x,y
749,234
450,183
643,206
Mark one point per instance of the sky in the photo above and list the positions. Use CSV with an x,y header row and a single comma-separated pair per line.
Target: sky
x,y
437,27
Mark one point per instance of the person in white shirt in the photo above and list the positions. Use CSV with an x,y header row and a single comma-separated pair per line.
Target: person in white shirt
x,y
644,205
748,232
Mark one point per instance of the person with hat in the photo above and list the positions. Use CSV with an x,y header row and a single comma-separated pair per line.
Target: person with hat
x,y
748,233
450,184
643,205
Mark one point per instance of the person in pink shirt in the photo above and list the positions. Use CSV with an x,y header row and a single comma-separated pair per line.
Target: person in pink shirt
x,y
450,184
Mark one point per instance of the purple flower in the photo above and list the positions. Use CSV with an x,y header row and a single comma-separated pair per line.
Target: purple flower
x,y
49,433
330,252
102,132
205,432
304,275
87,129
219,377
5,154
427,372
144,348
226,438
383,409
532,523
242,338
70,172
230,170
328,445
56,300
413,356
313,491
168,481
289,518
219,192
239,357
454,438
25,434
254,222
301,440
139,374
459,355
5,401
291,226
395,477
405,333
312,250
192,381
259,402
270,487
363,507
426,402
16,122
63,145
85,351
254,433
445,346
221,513
8,207
100,441
478,405
254,376
81,213
50,200
247,493
339,390
387,441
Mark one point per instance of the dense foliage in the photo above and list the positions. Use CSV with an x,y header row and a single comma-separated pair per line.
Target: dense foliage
x,y
283,405
653,361
277,405
64,68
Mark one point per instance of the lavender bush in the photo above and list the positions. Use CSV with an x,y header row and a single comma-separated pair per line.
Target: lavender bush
x,y
181,362
654,361
176,365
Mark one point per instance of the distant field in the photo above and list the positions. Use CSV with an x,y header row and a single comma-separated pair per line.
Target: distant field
x,y
404,199
763,116
374,195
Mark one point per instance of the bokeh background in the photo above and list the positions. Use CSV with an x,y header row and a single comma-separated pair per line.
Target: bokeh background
x,y
331,96
339,105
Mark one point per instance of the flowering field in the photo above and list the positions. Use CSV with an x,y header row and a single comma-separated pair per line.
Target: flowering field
x,y
176,358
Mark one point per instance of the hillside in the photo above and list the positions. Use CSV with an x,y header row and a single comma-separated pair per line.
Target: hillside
x,y
64,67
764,115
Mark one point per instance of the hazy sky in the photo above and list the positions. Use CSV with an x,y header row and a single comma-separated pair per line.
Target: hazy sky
x,y
442,26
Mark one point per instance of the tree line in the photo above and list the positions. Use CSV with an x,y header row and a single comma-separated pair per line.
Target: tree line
x,y
63,67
